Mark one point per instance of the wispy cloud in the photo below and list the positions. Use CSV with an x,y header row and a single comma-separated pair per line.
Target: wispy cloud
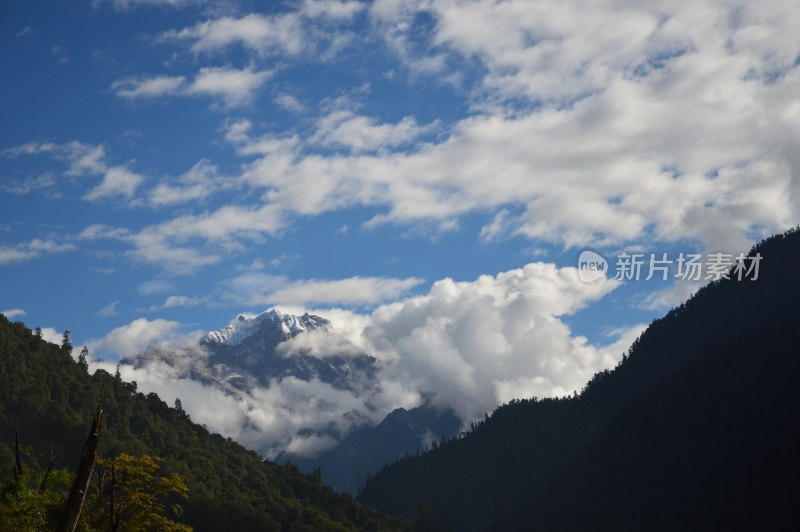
x,y
345,129
260,289
232,86
85,159
177,301
258,33
155,286
123,5
41,182
60,53
133,88
199,182
30,250
109,310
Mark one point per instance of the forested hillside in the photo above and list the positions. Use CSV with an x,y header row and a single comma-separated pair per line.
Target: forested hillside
x,y
712,448
471,482
51,399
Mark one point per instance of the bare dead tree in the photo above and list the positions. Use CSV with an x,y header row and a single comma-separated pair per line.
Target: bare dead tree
x,y
77,494
18,462
50,464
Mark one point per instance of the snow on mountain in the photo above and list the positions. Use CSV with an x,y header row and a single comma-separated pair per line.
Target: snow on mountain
x,y
242,328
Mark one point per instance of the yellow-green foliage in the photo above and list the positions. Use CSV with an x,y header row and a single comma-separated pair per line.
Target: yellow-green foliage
x,y
142,490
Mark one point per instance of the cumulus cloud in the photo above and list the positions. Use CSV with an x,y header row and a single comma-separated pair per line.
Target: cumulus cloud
x,y
14,313
137,336
467,346
52,335
474,344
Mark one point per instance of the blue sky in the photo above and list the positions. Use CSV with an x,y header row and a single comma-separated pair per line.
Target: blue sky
x,y
172,163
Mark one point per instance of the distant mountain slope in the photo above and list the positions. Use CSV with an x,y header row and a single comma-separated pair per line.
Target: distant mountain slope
x,y
468,482
367,449
52,398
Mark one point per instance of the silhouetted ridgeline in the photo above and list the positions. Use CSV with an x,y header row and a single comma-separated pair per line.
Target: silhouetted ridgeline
x,y
52,399
704,397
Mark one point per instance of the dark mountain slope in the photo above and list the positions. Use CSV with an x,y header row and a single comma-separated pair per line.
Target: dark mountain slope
x,y
509,456
52,398
715,447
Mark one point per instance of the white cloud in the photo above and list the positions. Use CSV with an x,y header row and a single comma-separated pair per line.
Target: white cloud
x,y
279,34
109,310
14,313
233,86
610,125
259,289
123,5
117,181
175,301
156,286
199,182
154,87
51,335
672,296
137,336
350,291
30,250
474,344
82,160
183,244
60,53
470,344
24,31
498,226
290,103
42,182
332,9
343,128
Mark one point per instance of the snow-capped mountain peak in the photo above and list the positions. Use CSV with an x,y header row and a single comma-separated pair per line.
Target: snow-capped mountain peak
x,y
243,328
